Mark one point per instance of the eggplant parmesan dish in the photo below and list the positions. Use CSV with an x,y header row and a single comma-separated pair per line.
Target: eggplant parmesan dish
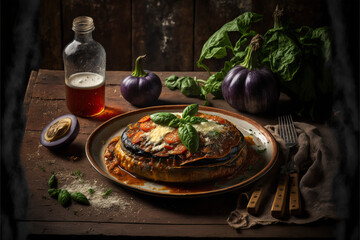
x,y
178,147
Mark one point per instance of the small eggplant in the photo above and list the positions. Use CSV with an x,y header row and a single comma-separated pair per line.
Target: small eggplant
x,y
248,88
60,132
141,87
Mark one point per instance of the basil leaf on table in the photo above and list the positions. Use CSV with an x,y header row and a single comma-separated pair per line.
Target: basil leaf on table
x,y
54,192
52,181
190,110
80,198
189,137
162,118
64,198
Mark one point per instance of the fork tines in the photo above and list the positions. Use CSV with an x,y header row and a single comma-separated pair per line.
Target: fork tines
x,y
287,129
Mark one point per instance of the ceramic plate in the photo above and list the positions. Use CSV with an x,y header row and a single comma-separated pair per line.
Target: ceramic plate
x,y
264,141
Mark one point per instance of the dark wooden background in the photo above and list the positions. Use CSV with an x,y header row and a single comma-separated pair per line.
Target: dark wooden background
x,y
171,33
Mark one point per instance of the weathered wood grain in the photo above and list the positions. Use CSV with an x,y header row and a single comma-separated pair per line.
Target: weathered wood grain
x,y
146,230
50,37
211,16
171,33
163,30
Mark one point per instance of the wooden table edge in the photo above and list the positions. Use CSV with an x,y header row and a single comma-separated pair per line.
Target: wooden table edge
x,y
174,230
29,90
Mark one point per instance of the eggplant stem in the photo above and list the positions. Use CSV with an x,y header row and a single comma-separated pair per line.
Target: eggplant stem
x,y
250,61
278,15
139,71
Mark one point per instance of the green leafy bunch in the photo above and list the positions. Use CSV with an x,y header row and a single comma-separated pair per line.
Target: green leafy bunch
x,y
300,58
187,133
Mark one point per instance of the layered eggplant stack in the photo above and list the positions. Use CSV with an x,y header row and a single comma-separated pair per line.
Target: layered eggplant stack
x,y
157,152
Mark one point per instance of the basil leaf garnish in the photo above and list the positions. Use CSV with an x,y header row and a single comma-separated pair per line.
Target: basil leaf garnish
x,y
196,120
189,137
190,110
162,118
174,123
187,133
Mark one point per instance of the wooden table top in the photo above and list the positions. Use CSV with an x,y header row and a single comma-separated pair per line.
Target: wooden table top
x,y
134,214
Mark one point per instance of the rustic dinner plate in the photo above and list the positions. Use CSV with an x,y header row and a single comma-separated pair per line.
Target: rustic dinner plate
x,y
264,141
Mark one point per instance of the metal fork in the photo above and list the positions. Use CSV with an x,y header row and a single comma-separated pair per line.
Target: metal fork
x,y
287,132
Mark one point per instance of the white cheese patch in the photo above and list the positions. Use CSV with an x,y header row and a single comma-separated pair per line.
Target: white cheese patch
x,y
158,147
206,127
157,134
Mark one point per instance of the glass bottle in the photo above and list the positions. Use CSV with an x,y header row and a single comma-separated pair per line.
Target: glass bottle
x,y
84,66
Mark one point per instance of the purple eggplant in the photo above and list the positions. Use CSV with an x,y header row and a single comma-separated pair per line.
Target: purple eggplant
x,y
60,132
249,88
142,87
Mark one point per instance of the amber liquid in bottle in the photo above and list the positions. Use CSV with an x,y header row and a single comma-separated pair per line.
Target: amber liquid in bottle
x,y
85,94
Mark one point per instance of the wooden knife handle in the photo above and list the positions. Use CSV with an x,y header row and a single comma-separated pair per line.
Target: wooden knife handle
x,y
279,203
256,199
295,201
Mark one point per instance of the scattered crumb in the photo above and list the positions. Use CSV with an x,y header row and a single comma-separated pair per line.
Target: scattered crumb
x,y
96,195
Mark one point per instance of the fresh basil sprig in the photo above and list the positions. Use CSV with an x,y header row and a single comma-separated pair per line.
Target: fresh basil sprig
x,y
187,133
189,137
162,118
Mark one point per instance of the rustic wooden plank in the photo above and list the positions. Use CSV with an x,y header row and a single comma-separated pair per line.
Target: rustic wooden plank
x,y
188,231
138,214
211,16
112,19
39,163
50,37
163,30
315,11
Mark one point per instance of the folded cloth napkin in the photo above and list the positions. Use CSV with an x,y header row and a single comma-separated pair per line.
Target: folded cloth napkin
x,y
317,164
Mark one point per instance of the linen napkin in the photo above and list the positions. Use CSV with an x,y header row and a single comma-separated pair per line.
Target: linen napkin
x,y
317,164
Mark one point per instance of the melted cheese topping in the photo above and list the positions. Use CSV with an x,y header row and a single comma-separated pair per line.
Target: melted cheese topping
x,y
157,134
206,127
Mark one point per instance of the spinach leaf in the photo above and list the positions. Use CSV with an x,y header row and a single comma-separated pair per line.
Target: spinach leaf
x,y
282,52
190,110
188,86
162,118
216,46
189,137
311,85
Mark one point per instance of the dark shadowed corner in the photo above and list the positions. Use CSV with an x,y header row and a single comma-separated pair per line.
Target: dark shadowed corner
x,y
19,55
345,23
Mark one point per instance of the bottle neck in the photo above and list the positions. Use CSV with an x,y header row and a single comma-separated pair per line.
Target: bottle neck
x,y
83,37
83,27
